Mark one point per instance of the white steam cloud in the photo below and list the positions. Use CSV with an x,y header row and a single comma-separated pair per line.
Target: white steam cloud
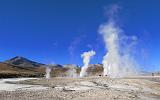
x,y
72,70
48,71
86,59
72,73
118,61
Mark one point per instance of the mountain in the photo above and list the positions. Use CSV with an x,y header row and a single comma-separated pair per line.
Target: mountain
x,y
70,66
12,71
23,67
23,62
95,69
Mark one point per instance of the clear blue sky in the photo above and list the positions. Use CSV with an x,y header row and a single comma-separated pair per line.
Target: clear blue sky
x,y
58,31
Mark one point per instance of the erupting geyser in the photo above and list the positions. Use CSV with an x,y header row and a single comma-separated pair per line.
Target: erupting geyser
x,y
118,61
86,59
48,71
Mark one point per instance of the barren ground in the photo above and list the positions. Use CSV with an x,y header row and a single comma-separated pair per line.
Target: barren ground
x,y
88,88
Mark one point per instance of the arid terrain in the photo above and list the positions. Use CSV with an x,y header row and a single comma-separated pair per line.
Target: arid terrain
x,y
62,85
88,88
22,67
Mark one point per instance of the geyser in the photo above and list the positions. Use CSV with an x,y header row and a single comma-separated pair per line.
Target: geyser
x,y
118,61
86,59
48,71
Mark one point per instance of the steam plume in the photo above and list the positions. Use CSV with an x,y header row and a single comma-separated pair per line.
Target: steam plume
x,y
72,73
48,71
118,61
86,59
72,70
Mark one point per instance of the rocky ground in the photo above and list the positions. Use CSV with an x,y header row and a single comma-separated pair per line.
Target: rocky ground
x,y
88,88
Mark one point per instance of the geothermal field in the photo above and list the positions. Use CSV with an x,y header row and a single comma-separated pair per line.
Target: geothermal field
x,y
84,56
88,88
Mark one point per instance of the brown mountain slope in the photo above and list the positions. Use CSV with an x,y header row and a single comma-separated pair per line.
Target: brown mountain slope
x,y
22,67
23,62
9,71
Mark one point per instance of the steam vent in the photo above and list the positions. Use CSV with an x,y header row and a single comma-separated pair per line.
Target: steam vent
x,y
79,50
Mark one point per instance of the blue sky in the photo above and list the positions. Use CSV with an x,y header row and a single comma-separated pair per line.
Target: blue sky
x,y
58,31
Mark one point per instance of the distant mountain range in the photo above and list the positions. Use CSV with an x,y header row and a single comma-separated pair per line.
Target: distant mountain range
x,y
23,67
23,62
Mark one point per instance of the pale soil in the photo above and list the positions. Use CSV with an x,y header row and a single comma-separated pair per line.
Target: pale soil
x,y
89,88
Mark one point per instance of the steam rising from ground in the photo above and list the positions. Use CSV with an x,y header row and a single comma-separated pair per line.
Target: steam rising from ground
x,y
118,61
48,71
86,59
72,73
72,70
